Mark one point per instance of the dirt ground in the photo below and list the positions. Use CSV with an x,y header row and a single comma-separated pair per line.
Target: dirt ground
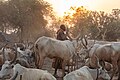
x,y
48,66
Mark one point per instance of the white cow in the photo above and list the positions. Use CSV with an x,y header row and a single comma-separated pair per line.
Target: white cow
x,y
23,56
6,54
85,73
19,72
50,47
107,52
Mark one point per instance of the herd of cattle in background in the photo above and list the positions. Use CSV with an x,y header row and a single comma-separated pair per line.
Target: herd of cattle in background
x,y
21,61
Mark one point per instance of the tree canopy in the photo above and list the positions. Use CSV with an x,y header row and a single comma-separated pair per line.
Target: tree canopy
x,y
30,19
27,17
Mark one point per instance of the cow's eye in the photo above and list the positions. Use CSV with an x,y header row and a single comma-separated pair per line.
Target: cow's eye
x,y
12,66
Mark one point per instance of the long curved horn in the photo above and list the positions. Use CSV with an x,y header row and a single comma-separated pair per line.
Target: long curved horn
x,y
77,38
92,45
15,55
84,44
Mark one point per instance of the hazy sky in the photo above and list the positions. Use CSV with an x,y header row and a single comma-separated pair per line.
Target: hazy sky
x,y
100,5
60,6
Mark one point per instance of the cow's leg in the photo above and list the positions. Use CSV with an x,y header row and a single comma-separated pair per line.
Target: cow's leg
x,y
36,59
72,64
63,67
68,66
41,62
115,68
56,65
118,70
119,75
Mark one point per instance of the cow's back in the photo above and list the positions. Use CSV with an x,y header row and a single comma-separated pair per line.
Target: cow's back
x,y
105,52
81,73
50,47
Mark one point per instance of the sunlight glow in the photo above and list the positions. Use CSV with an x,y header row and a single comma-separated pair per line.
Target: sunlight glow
x,y
4,0
62,6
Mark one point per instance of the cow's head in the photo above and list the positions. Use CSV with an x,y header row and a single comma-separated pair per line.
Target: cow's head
x,y
29,49
20,45
85,51
93,62
7,53
7,68
27,53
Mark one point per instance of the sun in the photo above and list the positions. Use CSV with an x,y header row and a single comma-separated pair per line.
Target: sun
x,y
62,6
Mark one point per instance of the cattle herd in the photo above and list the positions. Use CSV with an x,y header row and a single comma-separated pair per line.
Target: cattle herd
x,y
24,62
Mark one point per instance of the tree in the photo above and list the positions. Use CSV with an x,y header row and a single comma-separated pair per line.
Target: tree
x,y
28,16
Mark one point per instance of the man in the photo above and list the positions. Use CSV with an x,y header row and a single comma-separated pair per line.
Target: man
x,y
61,35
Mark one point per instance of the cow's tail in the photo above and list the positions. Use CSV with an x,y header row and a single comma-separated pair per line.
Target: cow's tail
x,y
37,56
